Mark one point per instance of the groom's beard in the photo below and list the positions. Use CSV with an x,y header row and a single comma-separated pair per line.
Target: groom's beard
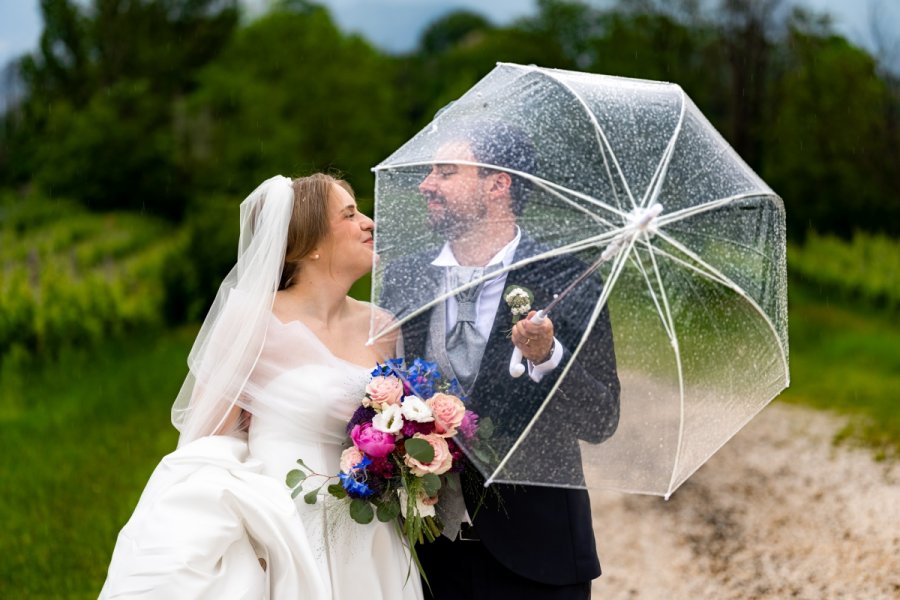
x,y
452,225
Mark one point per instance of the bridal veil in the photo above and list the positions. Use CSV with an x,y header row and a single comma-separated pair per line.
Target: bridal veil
x,y
231,338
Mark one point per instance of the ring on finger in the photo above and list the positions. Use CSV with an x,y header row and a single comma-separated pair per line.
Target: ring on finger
x,y
527,341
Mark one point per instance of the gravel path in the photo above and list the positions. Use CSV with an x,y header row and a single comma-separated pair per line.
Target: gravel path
x,y
778,512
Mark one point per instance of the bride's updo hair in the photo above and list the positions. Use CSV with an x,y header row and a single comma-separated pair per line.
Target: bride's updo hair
x,y
309,220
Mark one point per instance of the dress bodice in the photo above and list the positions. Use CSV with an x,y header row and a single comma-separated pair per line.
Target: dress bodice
x,y
300,396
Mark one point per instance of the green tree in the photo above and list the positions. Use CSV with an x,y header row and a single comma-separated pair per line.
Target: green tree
x,y
831,149
291,94
430,80
97,121
745,27
451,30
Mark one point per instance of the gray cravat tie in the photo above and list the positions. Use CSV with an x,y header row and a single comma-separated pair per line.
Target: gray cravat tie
x,y
465,344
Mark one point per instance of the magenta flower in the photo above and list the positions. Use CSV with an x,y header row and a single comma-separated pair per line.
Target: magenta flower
x,y
376,444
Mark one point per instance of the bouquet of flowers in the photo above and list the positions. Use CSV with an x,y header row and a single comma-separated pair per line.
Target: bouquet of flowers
x,y
402,445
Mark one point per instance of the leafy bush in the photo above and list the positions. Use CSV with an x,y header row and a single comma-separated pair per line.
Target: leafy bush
x,y
866,269
75,279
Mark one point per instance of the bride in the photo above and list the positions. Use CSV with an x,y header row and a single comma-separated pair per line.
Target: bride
x,y
277,369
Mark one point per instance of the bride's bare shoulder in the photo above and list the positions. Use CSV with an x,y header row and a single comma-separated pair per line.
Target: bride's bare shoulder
x,y
378,321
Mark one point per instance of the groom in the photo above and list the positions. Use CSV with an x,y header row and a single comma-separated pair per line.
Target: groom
x,y
516,541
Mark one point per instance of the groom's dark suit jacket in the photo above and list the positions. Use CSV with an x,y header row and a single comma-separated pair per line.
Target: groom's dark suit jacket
x,y
541,533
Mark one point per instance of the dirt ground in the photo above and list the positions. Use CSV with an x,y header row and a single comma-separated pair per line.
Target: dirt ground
x,y
778,512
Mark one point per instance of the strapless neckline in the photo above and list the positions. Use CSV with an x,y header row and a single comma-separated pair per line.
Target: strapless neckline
x,y
319,342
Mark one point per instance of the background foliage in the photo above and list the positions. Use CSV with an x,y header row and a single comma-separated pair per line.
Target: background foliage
x,y
143,124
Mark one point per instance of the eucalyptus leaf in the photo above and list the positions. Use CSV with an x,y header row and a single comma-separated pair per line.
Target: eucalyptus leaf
x,y
294,477
388,511
431,483
311,497
420,450
337,490
485,428
361,511
296,491
481,454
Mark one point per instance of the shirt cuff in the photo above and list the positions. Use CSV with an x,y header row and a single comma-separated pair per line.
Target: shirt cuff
x,y
537,372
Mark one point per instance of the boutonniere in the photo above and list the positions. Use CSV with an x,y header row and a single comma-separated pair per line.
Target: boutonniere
x,y
519,300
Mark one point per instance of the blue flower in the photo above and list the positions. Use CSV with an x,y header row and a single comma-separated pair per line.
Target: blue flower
x,y
355,481
392,366
422,377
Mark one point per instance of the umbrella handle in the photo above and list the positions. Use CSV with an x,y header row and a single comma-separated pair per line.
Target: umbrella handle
x,y
516,368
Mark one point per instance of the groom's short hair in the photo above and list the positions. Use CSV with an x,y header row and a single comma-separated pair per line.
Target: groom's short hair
x,y
506,146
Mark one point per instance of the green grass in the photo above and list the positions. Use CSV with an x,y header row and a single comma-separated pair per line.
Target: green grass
x,y
847,359
79,439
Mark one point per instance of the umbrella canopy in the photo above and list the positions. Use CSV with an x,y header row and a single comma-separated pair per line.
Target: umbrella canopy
x,y
674,341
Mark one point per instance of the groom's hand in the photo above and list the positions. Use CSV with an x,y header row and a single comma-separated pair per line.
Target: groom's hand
x,y
535,340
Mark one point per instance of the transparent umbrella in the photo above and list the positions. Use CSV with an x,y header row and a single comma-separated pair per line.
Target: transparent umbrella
x,y
675,334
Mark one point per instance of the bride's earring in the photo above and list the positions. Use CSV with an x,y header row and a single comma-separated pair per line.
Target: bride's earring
x,y
315,257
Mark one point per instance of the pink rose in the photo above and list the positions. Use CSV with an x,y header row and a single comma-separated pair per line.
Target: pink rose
x,y
371,441
448,412
383,391
350,458
441,462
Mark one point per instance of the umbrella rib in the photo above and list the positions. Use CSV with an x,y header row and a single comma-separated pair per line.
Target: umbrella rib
x,y
616,270
602,141
663,167
659,309
573,204
549,184
709,236
734,286
597,134
710,276
677,349
684,213
530,177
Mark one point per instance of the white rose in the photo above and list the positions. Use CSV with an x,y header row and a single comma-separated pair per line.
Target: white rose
x,y
389,420
415,410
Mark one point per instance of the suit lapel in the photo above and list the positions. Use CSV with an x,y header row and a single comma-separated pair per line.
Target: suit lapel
x,y
499,347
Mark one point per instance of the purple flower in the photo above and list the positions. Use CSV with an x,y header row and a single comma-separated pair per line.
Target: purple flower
x,y
411,428
363,414
457,455
382,467
469,425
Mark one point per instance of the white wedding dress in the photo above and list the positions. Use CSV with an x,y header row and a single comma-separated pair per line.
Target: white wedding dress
x,y
216,510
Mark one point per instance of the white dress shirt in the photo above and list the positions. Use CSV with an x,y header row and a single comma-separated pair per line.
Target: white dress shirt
x,y
489,299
